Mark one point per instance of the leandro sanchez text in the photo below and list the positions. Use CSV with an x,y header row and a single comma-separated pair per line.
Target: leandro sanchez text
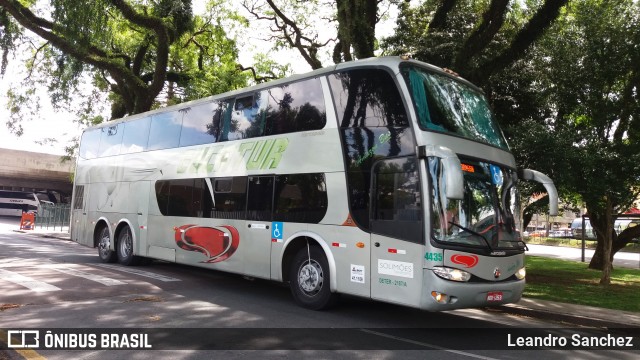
x,y
575,340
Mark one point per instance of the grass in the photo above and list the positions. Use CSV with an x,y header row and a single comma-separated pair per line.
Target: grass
x,y
572,282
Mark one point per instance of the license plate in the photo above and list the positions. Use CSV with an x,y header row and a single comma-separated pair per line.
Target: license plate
x,y
494,296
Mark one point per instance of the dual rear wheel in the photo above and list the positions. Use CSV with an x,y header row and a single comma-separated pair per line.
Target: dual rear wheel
x,y
124,247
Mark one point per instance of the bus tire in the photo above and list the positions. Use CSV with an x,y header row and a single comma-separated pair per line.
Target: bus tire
x,y
125,248
104,252
310,279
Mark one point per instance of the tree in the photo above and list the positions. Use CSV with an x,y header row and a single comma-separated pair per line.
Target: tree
x,y
592,70
292,27
139,52
476,39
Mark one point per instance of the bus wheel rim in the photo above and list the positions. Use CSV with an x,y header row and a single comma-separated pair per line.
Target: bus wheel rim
x,y
310,277
103,245
125,244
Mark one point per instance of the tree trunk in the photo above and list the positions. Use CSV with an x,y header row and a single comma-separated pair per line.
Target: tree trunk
x,y
603,226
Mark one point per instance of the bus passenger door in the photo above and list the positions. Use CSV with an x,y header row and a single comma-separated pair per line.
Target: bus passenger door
x,y
396,232
257,243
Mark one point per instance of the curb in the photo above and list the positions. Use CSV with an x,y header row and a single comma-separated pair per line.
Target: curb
x,y
59,236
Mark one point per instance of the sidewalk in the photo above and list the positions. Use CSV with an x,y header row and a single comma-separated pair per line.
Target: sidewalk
x,y
570,314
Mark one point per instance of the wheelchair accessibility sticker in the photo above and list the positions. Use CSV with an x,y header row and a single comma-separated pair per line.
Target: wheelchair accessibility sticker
x,y
496,175
277,228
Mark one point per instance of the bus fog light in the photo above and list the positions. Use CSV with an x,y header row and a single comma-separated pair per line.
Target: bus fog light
x,y
452,274
439,297
521,273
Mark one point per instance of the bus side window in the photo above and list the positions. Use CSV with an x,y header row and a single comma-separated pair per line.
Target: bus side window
x,y
90,144
165,130
136,136
295,107
111,140
203,124
184,197
248,117
397,209
260,198
300,198
230,198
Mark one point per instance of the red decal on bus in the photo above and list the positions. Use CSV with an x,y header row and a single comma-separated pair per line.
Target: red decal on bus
x,y
214,242
467,261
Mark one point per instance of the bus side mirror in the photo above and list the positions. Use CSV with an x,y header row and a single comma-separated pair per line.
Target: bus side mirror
x,y
452,169
533,175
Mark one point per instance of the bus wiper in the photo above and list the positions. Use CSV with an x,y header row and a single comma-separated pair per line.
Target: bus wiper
x,y
473,233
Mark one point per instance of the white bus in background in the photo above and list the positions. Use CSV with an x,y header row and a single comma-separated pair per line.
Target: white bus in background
x,y
14,203
384,178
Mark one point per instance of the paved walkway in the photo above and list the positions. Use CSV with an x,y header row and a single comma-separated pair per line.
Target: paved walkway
x,y
569,314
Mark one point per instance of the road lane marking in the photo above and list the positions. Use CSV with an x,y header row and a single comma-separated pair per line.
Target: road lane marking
x,y
435,347
93,277
33,284
138,272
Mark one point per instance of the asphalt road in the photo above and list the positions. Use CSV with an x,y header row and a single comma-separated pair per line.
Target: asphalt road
x,y
189,313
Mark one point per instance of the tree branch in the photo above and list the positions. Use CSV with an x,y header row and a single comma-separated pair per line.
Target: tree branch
x,y
439,21
536,26
294,37
257,78
492,21
26,18
163,41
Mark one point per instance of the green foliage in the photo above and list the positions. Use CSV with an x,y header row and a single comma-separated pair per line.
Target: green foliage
x,y
563,81
9,34
137,54
593,102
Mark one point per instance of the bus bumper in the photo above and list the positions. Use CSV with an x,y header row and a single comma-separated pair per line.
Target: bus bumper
x,y
440,294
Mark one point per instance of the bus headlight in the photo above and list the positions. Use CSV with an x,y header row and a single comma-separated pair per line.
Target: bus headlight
x,y
452,274
521,273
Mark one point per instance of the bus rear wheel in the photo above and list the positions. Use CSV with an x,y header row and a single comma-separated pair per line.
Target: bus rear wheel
x,y
125,248
104,242
310,280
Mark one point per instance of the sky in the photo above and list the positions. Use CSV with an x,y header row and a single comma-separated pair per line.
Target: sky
x,y
58,125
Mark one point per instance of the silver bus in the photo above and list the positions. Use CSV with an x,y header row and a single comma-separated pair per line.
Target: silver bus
x,y
385,178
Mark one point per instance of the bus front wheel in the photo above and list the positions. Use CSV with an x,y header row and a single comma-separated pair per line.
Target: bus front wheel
x,y
104,241
310,280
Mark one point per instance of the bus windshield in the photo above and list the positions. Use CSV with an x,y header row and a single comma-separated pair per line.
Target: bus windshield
x,y
446,105
487,216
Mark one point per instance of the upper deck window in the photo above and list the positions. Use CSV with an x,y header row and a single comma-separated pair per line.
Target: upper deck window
x,y
446,105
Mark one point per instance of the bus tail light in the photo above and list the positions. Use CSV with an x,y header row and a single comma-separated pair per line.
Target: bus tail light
x,y
452,274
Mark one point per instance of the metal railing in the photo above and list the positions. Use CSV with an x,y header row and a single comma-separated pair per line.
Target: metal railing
x,y
55,217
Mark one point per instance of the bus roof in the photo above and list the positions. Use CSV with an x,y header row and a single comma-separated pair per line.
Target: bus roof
x,y
390,62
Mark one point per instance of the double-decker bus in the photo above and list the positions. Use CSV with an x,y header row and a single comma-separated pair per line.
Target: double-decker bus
x,y
385,178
